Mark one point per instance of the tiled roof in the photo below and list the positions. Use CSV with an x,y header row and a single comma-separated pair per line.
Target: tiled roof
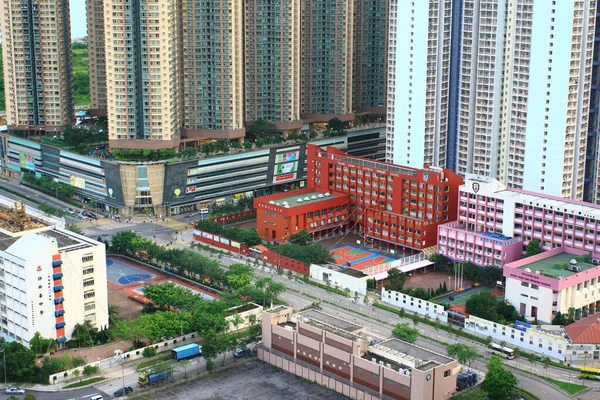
x,y
585,331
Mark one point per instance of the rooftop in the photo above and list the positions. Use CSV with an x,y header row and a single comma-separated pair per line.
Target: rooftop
x,y
585,331
329,320
303,198
426,357
554,266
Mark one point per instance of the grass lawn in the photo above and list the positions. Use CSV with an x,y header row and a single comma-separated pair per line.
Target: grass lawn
x,y
570,388
84,383
154,361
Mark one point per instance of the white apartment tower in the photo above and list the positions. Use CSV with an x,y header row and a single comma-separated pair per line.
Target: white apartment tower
x,y
523,87
418,81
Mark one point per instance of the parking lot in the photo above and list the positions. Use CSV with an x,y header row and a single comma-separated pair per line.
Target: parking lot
x,y
253,380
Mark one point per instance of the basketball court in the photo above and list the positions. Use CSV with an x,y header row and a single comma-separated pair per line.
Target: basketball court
x,y
357,258
121,273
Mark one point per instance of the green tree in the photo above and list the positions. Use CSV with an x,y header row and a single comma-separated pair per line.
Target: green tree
x,y
438,260
84,334
90,370
301,237
239,276
546,363
396,280
20,363
462,352
77,373
471,395
260,128
149,352
483,305
559,319
41,345
499,383
336,126
211,347
406,333
29,396
533,248
74,228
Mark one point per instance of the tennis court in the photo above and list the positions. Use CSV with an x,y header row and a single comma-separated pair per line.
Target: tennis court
x,y
461,298
357,258
121,273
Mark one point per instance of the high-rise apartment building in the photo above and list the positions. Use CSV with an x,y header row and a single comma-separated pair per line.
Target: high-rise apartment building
x,y
369,40
38,70
141,43
272,62
97,57
213,69
326,60
524,86
418,82
591,187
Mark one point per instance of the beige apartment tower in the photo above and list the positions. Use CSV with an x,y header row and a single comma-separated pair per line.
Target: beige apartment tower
x,y
38,70
141,44
97,57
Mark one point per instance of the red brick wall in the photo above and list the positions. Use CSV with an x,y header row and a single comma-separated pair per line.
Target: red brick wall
x,y
286,263
216,241
234,217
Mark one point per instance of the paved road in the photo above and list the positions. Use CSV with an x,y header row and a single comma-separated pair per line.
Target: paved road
x,y
78,394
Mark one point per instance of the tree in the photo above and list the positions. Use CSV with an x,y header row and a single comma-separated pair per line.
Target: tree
x,y
471,395
533,248
74,228
483,305
546,363
438,260
41,345
300,238
90,370
29,396
149,352
336,126
260,128
77,373
559,319
84,334
396,280
211,347
20,363
462,352
406,333
499,383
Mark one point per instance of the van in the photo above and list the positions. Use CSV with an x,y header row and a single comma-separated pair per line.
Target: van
x,y
204,211
97,397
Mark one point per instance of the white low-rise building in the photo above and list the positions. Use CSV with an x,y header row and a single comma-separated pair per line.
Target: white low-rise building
x,y
50,279
340,277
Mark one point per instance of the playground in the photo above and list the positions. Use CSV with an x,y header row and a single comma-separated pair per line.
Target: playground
x,y
462,297
120,273
357,258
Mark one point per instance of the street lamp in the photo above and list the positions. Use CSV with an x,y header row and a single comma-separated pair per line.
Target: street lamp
x,y
123,372
4,352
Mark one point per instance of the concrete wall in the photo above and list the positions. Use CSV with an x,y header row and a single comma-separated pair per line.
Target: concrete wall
x,y
412,304
339,278
129,356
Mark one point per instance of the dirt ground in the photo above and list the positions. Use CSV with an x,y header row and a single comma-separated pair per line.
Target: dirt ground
x,y
432,280
95,353
128,308
254,380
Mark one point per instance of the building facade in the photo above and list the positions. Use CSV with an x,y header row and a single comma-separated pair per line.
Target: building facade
x,y
394,206
97,57
420,34
141,43
213,69
318,343
326,60
38,66
369,41
272,63
51,280
557,280
318,212
486,205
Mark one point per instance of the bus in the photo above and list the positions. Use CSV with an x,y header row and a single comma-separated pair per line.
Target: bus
x,y
501,351
590,373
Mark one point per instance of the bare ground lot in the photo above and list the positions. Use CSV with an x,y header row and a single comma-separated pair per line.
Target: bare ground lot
x,y
254,380
128,308
432,280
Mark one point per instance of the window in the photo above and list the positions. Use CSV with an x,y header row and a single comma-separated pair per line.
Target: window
x,y
446,373
87,258
88,282
88,271
90,306
89,294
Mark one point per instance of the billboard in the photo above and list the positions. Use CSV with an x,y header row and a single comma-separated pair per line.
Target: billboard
x,y
191,181
286,168
27,161
284,178
77,182
522,326
287,157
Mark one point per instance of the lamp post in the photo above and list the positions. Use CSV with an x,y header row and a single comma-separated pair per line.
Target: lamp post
x,y
123,372
4,353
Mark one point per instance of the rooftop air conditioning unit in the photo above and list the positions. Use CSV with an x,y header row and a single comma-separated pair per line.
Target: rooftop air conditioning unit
x,y
575,268
374,360
388,365
595,261
381,363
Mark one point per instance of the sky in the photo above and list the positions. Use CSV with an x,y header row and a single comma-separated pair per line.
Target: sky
x,y
78,24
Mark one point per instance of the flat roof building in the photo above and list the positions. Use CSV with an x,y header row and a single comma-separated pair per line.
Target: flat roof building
x,y
316,344
50,279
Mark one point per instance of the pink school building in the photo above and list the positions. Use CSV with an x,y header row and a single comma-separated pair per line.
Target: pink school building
x,y
495,223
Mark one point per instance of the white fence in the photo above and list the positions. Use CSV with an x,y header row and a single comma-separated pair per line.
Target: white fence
x,y
532,339
378,269
110,362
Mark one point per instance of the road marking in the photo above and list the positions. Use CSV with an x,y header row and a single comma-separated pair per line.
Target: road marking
x,y
89,395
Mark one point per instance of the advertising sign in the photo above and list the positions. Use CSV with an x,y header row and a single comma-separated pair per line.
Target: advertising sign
x,y
191,181
287,157
197,232
207,235
235,244
77,181
522,326
283,178
27,162
286,168
224,241
190,189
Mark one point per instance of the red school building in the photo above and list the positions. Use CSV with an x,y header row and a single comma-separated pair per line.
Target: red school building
x,y
393,206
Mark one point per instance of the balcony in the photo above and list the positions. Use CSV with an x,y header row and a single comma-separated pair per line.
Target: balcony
x,y
57,276
58,288
60,325
59,313
60,300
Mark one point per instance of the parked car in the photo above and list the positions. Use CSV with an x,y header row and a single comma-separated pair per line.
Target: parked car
x,y
243,352
14,390
69,210
82,215
123,391
89,214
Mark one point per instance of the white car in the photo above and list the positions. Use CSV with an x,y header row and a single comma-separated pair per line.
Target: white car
x,y
69,210
14,390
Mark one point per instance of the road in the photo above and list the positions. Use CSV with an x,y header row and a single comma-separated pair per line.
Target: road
x,y
78,394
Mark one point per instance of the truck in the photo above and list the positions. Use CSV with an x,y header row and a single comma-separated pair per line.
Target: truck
x,y
149,378
187,351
